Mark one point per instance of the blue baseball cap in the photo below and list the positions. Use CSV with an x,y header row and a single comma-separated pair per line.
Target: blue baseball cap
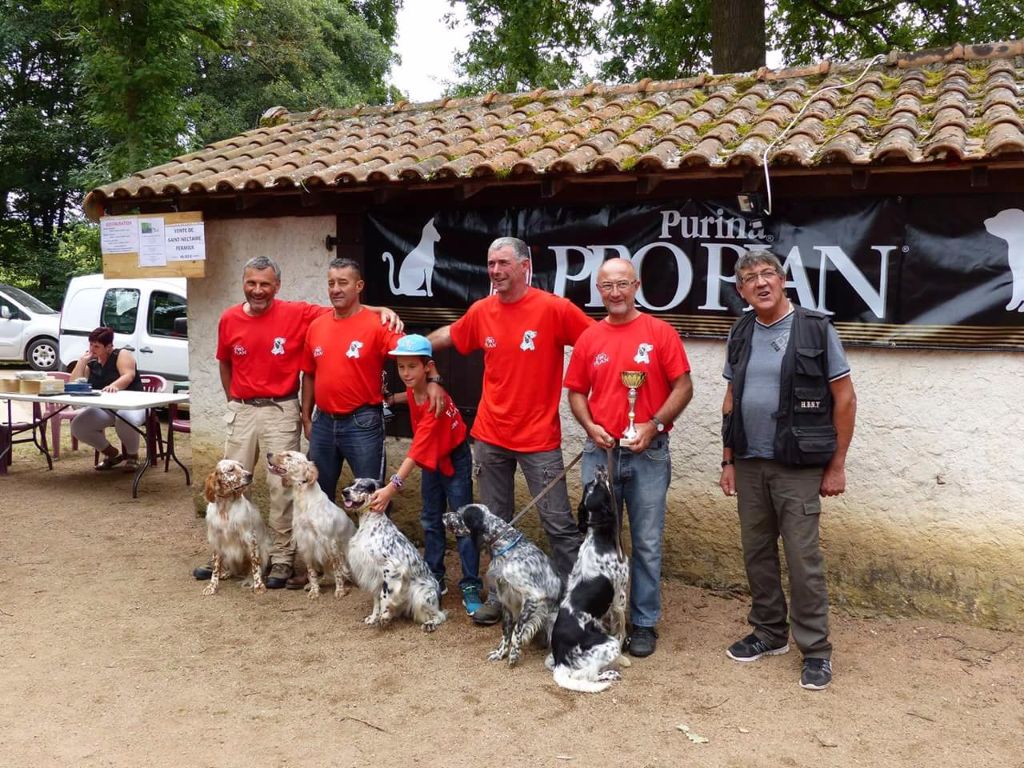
x,y
413,344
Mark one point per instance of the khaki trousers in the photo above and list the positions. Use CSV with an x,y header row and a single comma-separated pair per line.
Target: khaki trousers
x,y
776,501
253,432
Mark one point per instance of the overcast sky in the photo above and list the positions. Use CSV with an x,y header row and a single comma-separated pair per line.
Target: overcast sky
x,y
427,48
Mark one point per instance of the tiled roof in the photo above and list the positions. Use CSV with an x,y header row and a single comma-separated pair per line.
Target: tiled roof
x,y
961,103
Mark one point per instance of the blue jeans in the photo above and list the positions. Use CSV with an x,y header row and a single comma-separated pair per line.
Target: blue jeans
x,y
641,481
357,439
439,493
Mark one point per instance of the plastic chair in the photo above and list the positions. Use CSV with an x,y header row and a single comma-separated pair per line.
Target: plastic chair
x,y
151,382
174,424
58,420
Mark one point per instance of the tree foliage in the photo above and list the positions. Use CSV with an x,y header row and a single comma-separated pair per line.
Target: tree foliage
x,y
92,90
520,44
299,54
45,138
524,44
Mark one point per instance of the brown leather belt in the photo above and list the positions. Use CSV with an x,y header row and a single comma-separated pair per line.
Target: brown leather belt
x,y
340,416
261,402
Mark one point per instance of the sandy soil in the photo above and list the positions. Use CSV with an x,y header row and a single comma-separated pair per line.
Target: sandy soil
x,y
111,657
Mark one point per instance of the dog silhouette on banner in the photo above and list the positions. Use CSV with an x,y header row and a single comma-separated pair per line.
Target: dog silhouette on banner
x,y
1008,225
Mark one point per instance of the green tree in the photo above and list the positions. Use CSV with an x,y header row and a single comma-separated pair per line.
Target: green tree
x,y
516,45
299,54
45,138
138,61
523,44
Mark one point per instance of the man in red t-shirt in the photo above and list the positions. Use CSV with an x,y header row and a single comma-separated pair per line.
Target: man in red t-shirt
x,y
342,361
259,348
628,340
523,332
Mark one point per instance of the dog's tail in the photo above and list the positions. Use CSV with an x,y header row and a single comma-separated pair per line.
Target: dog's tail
x,y
564,679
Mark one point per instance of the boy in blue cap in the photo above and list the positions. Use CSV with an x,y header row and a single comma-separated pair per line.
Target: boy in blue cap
x,y
440,449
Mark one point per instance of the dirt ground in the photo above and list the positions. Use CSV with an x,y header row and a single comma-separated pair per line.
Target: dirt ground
x,y
110,656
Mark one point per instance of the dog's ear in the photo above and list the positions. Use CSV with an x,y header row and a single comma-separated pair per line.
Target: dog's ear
x,y
312,473
582,515
210,491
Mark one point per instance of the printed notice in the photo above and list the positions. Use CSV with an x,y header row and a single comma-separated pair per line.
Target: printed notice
x,y
119,234
186,242
151,242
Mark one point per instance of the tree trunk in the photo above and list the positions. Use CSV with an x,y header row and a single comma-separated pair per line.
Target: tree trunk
x,y
737,35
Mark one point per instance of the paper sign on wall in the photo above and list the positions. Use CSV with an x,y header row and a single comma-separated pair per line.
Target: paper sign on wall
x,y
154,245
185,242
119,234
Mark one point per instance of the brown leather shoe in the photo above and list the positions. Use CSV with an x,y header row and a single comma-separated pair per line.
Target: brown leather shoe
x,y
298,581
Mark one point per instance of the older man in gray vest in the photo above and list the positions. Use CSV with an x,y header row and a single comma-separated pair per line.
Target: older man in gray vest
x,y
788,418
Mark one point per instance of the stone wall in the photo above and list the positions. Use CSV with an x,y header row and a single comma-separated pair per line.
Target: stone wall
x,y
931,520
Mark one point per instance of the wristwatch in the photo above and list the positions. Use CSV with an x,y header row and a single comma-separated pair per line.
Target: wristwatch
x,y
433,379
658,424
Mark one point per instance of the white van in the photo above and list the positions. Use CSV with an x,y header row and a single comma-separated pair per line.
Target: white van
x,y
147,315
28,329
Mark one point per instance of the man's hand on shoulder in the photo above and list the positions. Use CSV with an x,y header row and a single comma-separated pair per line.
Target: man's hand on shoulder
x,y
389,318
436,397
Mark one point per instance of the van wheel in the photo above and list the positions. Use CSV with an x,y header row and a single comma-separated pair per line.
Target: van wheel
x,y
42,355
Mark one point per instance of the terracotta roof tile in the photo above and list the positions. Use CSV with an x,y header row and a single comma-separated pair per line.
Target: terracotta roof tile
x,y
962,102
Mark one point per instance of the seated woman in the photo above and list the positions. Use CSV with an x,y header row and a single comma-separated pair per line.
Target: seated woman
x,y
110,370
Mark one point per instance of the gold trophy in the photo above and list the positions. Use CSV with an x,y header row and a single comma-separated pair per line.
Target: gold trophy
x,y
633,380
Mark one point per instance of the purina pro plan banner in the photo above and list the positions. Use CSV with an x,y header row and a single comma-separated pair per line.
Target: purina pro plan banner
x,y
900,272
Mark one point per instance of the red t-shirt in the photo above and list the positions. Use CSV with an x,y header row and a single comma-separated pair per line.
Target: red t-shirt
x,y
435,437
265,350
347,356
524,352
604,351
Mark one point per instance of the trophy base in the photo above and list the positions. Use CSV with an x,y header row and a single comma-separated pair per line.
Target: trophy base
x,y
627,442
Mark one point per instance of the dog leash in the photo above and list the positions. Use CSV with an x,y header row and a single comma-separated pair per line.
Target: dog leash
x,y
621,553
547,488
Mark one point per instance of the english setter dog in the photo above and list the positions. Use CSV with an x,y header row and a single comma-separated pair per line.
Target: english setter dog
x,y
320,529
591,622
525,581
234,527
385,563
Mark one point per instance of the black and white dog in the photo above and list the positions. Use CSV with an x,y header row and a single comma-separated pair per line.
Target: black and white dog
x,y
591,623
523,577
385,563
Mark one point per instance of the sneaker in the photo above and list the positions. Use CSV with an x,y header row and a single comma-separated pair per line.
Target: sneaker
x,y
816,675
642,641
203,572
752,648
488,613
471,599
279,575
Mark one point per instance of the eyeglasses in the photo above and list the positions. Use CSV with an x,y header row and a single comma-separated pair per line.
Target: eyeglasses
x,y
764,274
619,285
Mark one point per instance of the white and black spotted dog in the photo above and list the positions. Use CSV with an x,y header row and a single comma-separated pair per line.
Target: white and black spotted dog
x,y
321,531
234,528
523,577
591,623
385,563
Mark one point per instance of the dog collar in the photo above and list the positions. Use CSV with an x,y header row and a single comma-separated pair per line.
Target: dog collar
x,y
509,546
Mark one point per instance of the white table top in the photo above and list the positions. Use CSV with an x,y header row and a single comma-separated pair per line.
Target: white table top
x,y
115,401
